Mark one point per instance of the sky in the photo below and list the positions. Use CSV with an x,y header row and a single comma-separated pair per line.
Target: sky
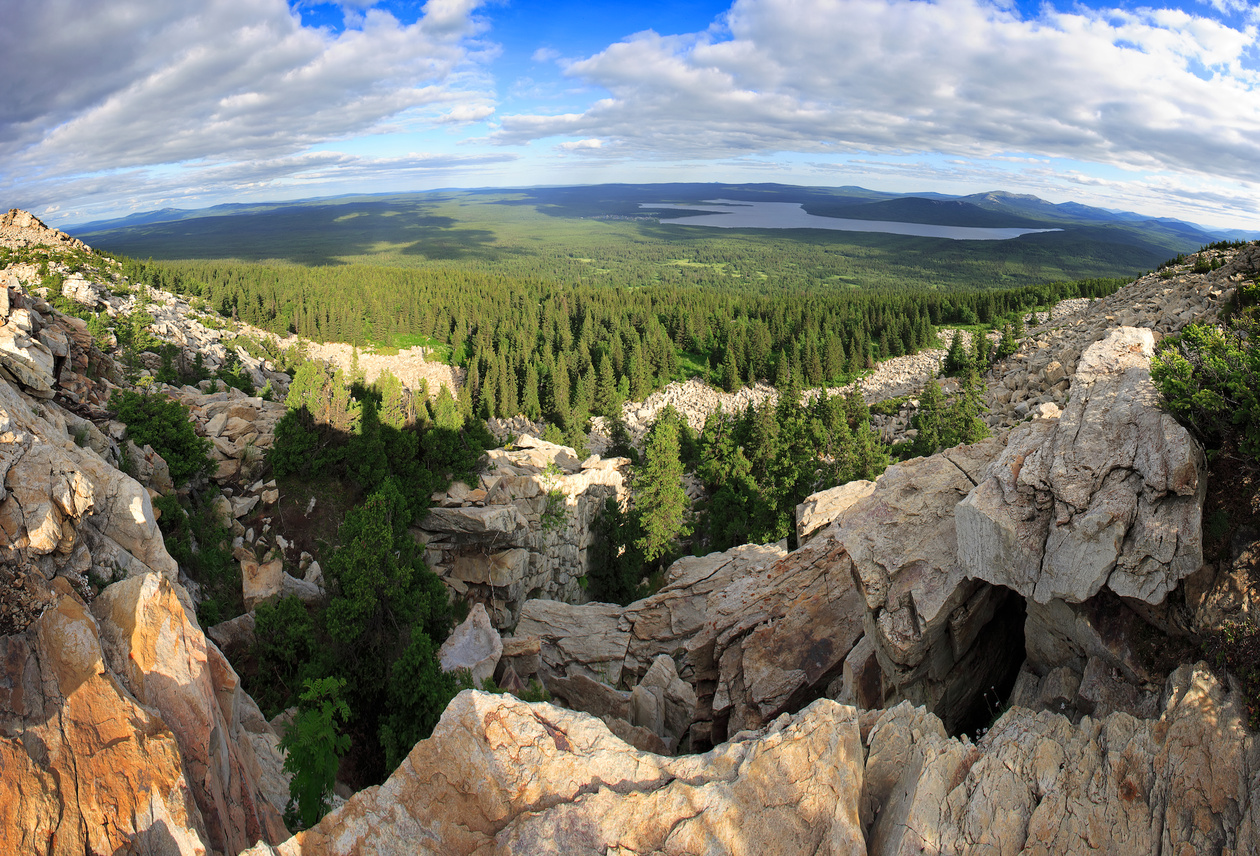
x,y
112,108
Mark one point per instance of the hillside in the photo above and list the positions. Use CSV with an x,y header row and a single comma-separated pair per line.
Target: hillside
x,y
540,232
1041,640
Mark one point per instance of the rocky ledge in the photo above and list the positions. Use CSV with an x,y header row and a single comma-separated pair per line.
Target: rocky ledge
x,y
502,776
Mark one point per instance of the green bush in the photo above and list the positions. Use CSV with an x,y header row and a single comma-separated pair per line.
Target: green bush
x,y
418,693
1209,377
199,542
313,746
284,642
162,423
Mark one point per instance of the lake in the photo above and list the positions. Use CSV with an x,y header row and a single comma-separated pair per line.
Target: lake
x,y
731,214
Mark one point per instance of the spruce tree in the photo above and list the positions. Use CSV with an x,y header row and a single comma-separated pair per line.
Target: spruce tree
x,y
660,501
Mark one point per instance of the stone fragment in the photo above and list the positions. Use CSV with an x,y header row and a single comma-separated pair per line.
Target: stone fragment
x,y
473,645
819,509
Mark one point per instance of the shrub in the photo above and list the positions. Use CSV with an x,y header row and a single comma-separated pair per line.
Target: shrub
x,y
1209,377
313,746
284,641
418,693
162,423
202,546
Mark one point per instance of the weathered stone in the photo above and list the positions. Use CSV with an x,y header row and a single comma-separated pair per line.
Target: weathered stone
x,y
76,748
777,636
501,569
502,776
586,640
1110,495
498,520
522,654
164,660
819,509
261,581
473,645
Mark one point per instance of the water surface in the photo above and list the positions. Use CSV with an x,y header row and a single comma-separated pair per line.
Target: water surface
x,y
731,214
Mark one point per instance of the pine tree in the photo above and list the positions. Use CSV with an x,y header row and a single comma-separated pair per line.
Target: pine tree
x,y
958,359
530,405
607,398
660,501
1007,345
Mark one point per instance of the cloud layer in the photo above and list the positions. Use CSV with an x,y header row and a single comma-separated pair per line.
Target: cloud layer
x,y
203,83
134,104
1149,89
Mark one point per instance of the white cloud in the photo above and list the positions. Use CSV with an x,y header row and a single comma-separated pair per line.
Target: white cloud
x,y
575,145
545,55
960,77
93,87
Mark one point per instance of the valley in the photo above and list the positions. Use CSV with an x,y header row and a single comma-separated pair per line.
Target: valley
x,y
576,533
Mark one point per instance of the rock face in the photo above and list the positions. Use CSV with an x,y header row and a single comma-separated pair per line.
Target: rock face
x,y
1109,496
229,754
502,776
525,531
87,768
774,637
123,730
63,509
939,637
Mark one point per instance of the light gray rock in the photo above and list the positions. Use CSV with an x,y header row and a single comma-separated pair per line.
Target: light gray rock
x,y
474,645
819,509
1110,495
588,640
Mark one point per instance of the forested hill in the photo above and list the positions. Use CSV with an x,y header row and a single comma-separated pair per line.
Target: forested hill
x,y
567,353
602,235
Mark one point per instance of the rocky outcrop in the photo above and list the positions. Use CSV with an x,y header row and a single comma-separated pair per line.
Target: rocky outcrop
x,y
1110,495
229,753
65,510
20,229
123,730
502,776
525,531
939,637
87,768
241,428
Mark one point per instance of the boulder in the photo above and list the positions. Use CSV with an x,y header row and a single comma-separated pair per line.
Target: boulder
x,y
577,640
28,360
503,569
819,509
1110,495
473,645
261,581
499,775
775,637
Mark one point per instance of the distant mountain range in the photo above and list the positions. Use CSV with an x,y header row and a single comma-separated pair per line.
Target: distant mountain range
x,y
245,230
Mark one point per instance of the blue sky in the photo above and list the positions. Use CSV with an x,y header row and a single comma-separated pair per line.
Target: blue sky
x,y
112,108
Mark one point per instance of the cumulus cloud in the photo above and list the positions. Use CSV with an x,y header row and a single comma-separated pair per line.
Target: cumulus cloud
x,y
133,83
575,145
1142,89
